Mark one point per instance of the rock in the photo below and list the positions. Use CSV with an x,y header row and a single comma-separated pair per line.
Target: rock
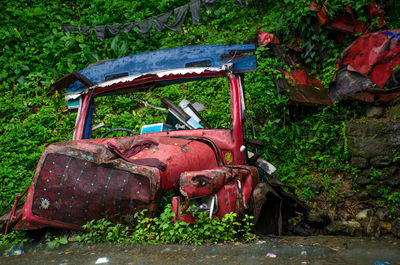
x,y
396,228
363,180
346,228
381,174
353,129
317,188
381,161
367,128
363,195
393,112
393,181
394,139
368,147
364,214
394,170
371,226
382,213
349,194
359,162
366,172
374,193
374,112
386,228
317,217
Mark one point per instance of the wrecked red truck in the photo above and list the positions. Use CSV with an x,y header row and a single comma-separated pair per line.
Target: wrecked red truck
x,y
114,177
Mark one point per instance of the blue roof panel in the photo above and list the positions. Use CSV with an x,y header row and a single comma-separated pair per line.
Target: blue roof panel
x,y
167,59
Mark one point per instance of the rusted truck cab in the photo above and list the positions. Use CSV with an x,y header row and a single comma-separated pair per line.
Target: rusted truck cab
x,y
114,177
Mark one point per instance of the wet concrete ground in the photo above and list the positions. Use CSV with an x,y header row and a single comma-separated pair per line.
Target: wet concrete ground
x,y
282,250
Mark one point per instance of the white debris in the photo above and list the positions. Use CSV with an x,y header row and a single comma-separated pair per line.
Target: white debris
x,y
102,260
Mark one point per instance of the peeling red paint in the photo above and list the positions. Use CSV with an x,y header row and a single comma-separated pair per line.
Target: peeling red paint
x,y
232,185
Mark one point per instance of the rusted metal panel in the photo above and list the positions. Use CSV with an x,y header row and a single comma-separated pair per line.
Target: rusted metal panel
x,y
306,90
84,180
320,10
228,189
374,55
87,191
347,23
201,183
369,68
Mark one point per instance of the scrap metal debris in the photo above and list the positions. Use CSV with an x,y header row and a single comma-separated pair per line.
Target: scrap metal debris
x,y
348,22
369,68
302,86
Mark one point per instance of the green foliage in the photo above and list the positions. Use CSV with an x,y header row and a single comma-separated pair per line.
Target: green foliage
x,y
163,230
128,112
52,241
99,231
391,200
13,239
316,145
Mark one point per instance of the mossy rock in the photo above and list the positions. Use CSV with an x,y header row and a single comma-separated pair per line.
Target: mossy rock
x,y
368,147
368,128
394,112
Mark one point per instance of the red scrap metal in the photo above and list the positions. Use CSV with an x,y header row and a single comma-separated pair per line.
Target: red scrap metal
x,y
348,22
321,11
84,180
377,13
372,59
374,55
266,38
233,186
302,87
306,90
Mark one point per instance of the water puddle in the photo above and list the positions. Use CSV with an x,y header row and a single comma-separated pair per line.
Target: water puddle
x,y
283,250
